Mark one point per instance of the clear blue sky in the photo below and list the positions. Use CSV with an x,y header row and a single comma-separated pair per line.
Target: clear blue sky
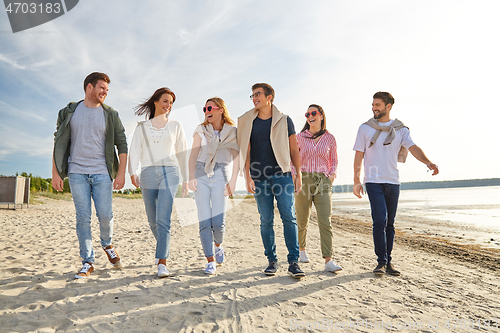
x,y
440,60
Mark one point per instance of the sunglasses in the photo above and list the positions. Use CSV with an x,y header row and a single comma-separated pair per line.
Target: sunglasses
x,y
209,108
314,113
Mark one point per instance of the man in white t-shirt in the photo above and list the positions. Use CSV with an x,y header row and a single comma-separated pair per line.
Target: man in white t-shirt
x,y
382,142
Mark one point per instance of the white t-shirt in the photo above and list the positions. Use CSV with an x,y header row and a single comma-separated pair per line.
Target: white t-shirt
x,y
381,161
168,147
223,155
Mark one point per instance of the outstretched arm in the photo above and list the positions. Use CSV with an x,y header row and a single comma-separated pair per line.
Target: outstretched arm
x,y
419,154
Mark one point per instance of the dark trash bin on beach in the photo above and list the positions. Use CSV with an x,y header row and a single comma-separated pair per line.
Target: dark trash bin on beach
x,y
14,191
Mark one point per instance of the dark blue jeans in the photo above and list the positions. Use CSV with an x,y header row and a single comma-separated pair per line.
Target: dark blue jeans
x,y
384,204
280,187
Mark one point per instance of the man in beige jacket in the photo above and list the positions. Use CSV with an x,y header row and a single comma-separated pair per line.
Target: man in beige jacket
x,y
266,138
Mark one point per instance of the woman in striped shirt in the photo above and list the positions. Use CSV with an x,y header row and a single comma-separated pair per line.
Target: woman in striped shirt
x,y
318,155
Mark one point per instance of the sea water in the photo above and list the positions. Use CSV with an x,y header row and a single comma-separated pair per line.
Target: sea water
x,y
471,205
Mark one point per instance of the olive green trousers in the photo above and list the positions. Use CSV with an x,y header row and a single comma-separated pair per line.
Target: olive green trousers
x,y
317,188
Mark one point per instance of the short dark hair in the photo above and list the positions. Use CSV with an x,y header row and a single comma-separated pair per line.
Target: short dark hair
x,y
92,78
268,90
385,97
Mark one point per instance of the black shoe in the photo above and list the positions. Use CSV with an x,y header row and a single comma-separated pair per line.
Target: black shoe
x,y
391,271
379,270
271,269
295,271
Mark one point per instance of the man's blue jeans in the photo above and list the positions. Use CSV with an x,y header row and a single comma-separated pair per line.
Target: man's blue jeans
x,y
384,204
100,189
280,187
159,185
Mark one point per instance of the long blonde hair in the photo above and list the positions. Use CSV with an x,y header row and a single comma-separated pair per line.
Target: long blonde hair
x,y
225,115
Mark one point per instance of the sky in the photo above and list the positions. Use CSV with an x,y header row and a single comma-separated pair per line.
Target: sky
x,y
439,59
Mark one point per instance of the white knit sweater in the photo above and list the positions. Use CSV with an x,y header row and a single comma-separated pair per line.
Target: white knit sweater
x,y
168,147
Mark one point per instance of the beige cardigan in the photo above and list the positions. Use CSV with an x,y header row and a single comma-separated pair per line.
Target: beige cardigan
x,y
279,137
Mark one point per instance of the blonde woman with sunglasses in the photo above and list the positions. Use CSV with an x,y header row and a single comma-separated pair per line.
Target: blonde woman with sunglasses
x,y
318,153
214,147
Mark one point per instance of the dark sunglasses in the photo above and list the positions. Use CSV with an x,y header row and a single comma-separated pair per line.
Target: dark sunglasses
x,y
209,108
314,113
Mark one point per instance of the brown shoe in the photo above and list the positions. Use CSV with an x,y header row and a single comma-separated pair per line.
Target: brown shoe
x,y
113,257
391,271
380,269
86,270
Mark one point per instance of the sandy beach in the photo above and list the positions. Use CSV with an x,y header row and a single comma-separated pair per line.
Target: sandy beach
x,y
445,286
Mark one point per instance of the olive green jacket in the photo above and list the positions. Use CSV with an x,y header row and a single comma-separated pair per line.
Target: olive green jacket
x,y
115,136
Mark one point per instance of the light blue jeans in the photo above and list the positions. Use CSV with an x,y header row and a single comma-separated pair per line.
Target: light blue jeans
x,y
84,188
211,204
159,185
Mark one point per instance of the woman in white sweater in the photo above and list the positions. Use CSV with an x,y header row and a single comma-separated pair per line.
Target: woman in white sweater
x,y
160,146
214,146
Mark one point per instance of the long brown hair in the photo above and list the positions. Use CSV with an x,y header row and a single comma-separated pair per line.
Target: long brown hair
x,y
225,115
148,107
323,122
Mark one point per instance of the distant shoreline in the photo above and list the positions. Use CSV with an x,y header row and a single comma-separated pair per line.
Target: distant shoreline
x,y
424,185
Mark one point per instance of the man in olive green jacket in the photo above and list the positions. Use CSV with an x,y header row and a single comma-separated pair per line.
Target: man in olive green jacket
x,y
84,150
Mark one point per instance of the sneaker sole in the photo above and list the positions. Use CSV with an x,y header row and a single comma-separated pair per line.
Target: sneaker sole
x,y
270,273
337,270
80,277
117,265
378,272
297,276
163,275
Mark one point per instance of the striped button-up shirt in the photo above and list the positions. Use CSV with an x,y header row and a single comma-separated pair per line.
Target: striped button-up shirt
x,y
320,156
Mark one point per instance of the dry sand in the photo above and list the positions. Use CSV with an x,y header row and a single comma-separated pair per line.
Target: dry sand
x,y
440,281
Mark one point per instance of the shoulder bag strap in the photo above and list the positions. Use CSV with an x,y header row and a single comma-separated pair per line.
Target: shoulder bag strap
x,y
147,142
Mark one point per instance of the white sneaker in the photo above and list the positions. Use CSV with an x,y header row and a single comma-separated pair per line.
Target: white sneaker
x,y
219,254
162,271
331,266
303,256
210,268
